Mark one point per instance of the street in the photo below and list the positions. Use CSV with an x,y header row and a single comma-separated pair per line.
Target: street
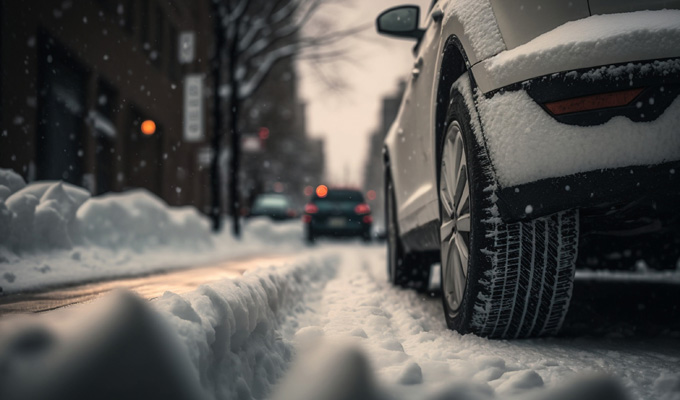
x,y
338,293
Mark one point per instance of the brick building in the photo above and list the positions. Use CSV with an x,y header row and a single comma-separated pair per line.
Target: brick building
x,y
78,78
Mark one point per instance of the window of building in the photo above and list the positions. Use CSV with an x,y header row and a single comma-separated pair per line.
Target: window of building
x,y
61,112
105,130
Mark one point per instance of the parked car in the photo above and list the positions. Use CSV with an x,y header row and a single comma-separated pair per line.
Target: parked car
x,y
276,206
532,136
337,213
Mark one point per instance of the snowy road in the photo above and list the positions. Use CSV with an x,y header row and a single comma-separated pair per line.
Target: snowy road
x,y
624,328
239,337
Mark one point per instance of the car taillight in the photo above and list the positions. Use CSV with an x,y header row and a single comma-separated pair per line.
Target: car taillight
x,y
594,102
291,213
311,208
306,218
362,208
367,219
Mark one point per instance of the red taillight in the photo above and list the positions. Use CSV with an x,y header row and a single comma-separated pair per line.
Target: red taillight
x,y
291,213
368,219
306,218
311,208
594,102
362,208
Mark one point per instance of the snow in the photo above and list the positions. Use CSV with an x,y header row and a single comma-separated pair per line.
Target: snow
x,y
326,325
596,40
526,144
53,233
479,25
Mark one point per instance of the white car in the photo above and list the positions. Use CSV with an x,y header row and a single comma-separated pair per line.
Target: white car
x,y
534,135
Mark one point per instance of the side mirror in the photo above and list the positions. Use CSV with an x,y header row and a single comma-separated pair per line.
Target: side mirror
x,y
401,21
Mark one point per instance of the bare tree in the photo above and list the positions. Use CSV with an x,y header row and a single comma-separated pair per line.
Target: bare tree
x,y
253,36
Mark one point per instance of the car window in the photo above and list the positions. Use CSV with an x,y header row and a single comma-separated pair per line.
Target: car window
x,y
353,196
271,202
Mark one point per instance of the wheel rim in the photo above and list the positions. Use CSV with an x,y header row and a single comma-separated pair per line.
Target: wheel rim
x,y
391,233
454,194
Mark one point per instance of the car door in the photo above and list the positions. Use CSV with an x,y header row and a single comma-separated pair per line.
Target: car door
x,y
415,143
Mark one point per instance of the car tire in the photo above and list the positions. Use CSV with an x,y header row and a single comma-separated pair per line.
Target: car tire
x,y
406,270
499,280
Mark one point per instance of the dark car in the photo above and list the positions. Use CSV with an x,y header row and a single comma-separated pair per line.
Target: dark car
x,y
337,212
273,205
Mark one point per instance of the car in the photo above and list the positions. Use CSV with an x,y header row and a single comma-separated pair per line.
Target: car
x,y
533,137
276,206
337,212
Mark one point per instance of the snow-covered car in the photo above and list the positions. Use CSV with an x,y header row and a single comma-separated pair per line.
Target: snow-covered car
x,y
533,136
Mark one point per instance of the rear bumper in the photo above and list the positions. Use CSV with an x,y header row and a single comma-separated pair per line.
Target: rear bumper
x,y
594,189
351,228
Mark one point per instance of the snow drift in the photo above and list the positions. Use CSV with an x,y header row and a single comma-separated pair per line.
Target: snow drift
x,y
53,215
54,233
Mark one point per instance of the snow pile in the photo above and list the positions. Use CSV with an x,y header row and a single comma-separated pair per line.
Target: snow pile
x,y
479,25
53,233
137,220
526,144
53,215
221,341
38,215
230,328
117,348
596,40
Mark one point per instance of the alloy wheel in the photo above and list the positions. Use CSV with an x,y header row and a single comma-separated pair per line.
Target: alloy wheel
x,y
454,193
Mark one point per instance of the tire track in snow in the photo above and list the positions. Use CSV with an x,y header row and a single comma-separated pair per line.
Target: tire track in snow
x,y
400,328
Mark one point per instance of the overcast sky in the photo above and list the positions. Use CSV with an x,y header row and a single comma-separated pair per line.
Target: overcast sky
x,y
373,69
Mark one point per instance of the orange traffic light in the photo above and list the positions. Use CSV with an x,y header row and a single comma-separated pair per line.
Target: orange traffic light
x,y
322,191
148,127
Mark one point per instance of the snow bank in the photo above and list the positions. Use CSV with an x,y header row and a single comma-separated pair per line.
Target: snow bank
x,y
596,40
52,215
118,348
221,341
53,233
231,329
138,220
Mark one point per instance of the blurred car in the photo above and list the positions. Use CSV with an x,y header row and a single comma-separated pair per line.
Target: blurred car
x,y
276,206
531,135
337,212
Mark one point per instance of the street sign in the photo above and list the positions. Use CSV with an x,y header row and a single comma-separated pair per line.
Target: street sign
x,y
193,108
187,47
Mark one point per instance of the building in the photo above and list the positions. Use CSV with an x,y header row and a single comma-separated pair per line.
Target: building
x,y
287,159
79,77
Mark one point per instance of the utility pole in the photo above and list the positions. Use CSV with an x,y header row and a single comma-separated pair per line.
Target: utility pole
x,y
234,165
215,181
